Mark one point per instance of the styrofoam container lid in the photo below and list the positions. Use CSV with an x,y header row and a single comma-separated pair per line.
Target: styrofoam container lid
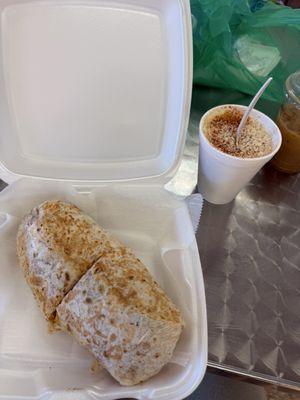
x,y
94,90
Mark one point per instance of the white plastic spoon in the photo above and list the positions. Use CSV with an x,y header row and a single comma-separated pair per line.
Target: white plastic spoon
x,y
250,107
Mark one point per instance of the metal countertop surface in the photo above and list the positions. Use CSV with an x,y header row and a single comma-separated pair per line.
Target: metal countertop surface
x,y
250,255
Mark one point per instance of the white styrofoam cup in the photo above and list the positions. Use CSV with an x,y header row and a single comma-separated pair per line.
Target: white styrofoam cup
x,y
221,176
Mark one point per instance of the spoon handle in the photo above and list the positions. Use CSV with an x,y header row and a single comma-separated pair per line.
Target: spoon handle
x,y
250,107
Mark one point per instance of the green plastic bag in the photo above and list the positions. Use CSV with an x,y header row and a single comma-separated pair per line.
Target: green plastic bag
x,y
239,43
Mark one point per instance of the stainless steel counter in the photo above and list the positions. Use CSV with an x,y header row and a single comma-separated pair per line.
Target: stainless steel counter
x,y
250,254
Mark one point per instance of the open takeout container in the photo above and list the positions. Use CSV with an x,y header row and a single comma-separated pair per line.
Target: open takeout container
x,y
94,107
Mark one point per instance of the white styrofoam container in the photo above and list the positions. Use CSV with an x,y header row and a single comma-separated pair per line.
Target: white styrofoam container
x,y
94,107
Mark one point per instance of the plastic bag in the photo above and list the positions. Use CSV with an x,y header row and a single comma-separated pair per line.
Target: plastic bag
x,y
239,43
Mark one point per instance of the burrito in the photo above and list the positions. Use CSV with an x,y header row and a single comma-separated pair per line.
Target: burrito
x,y
96,289
122,316
56,244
